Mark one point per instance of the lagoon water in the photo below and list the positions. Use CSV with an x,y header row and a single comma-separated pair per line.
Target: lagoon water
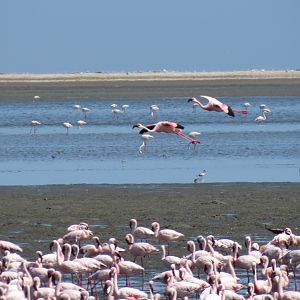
x,y
106,150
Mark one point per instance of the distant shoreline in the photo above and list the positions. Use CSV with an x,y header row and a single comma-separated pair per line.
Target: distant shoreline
x,y
149,76
149,85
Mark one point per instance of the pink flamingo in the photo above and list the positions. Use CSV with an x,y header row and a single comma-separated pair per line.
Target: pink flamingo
x,y
140,231
6,245
111,286
167,127
216,105
139,249
166,235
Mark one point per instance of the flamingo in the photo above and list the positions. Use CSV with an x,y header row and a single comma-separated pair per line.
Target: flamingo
x,y
81,123
139,231
168,260
81,225
140,248
263,118
34,124
36,97
153,110
111,287
216,105
246,105
76,106
6,245
145,138
125,107
68,126
288,295
165,126
85,110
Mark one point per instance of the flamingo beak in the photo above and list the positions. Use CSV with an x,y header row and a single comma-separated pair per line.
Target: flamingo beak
x,y
190,100
135,126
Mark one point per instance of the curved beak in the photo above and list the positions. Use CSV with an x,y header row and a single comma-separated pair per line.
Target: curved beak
x,y
134,126
190,100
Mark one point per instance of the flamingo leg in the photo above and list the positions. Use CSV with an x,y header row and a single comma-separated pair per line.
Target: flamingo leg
x,y
192,141
243,112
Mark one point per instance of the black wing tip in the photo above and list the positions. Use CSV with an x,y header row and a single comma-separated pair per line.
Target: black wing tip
x,y
230,112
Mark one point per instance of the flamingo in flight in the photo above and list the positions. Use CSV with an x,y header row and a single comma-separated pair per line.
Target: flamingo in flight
x,y
165,126
214,104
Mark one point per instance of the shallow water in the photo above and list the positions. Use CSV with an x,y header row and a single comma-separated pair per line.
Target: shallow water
x,y
106,150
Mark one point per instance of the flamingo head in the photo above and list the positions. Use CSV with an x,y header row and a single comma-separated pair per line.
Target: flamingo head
x,y
193,99
138,125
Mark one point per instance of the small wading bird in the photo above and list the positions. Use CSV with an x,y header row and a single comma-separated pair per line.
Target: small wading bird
x,y
167,127
214,104
34,124
200,176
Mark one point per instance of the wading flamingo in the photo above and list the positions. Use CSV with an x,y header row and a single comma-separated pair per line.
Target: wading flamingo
x,y
145,138
139,231
214,104
67,125
34,124
166,235
167,127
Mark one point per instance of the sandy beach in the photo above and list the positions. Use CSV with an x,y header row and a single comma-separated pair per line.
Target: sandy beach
x,y
148,84
34,215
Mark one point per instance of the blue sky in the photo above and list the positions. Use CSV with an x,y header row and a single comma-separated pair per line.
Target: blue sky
x,y
69,36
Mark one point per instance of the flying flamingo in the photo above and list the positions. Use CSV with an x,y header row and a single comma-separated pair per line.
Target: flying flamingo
x,y
165,126
216,105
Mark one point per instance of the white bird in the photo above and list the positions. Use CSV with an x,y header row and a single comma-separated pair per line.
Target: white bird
x,y
81,123
76,106
114,105
85,110
125,107
67,125
200,176
34,124
246,105
153,110
263,118
117,111
36,98
194,134
145,138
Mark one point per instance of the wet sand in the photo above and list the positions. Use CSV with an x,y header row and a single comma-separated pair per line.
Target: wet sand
x,y
32,216
148,85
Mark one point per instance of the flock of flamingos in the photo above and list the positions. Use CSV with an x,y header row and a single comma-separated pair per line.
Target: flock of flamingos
x,y
212,104
81,267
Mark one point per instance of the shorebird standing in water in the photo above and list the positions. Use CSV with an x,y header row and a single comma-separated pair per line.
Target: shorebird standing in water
x,y
200,177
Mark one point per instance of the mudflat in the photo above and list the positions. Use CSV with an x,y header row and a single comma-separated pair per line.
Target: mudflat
x,y
32,216
131,85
